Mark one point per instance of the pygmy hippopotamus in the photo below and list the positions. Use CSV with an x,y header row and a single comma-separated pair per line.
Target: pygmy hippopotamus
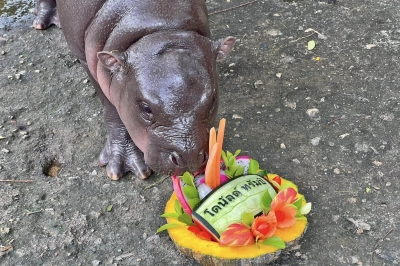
x,y
154,67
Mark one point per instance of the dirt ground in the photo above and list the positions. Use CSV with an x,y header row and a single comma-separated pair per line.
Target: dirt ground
x,y
326,118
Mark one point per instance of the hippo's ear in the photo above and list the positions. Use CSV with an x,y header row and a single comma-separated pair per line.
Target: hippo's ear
x,y
114,60
223,47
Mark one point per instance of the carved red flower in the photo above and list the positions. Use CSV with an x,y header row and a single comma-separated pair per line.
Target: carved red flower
x,y
264,226
284,212
236,234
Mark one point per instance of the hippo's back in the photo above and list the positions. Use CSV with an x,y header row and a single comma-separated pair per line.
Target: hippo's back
x,y
96,25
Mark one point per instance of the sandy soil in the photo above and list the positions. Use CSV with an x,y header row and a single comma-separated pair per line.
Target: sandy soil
x,y
328,119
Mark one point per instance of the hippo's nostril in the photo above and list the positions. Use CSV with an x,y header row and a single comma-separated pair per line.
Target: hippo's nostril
x,y
203,157
174,157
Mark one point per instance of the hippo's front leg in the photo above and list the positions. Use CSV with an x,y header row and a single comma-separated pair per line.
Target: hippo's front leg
x,y
120,154
46,14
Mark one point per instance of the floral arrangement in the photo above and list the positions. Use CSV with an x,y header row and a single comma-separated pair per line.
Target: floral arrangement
x,y
234,202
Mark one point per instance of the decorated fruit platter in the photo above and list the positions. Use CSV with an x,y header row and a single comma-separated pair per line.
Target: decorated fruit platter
x,y
233,212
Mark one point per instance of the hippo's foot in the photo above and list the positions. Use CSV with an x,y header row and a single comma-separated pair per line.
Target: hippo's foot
x,y
121,158
46,14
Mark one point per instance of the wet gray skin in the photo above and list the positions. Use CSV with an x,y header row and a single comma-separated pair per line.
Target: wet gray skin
x,y
153,66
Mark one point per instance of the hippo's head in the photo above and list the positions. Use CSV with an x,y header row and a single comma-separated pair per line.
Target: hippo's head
x,y
165,88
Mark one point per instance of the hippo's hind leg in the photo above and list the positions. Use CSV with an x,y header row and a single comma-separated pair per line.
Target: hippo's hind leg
x,y
46,14
120,155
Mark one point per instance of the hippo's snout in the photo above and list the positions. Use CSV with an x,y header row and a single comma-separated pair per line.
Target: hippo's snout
x,y
191,161
176,159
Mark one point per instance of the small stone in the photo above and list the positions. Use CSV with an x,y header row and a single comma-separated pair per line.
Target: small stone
x,y
36,71
96,262
5,150
388,184
18,76
273,32
236,116
291,105
94,172
312,112
377,163
278,75
21,62
387,117
257,84
330,143
336,171
283,146
3,52
296,161
344,135
85,81
23,132
315,141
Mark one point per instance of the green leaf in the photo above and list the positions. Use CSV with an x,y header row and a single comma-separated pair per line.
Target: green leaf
x,y
188,179
266,200
223,155
239,171
237,153
186,219
170,215
167,226
262,173
231,161
275,241
253,167
178,207
193,202
109,208
311,45
247,219
298,203
229,154
301,218
190,192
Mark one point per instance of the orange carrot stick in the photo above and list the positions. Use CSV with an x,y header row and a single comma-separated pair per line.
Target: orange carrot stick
x,y
212,140
220,141
209,178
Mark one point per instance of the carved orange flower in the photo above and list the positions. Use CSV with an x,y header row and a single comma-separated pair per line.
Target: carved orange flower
x,y
237,234
264,226
284,212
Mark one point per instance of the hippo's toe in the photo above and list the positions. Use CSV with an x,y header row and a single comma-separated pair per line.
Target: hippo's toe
x,y
46,15
122,158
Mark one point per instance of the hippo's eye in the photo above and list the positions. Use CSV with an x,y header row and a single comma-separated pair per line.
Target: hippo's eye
x,y
145,111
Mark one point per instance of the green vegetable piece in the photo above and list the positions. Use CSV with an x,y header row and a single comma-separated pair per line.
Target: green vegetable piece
x,y
167,226
170,215
109,208
186,219
237,153
311,45
266,201
239,171
247,219
274,241
253,167
190,192
193,202
188,179
298,203
178,207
